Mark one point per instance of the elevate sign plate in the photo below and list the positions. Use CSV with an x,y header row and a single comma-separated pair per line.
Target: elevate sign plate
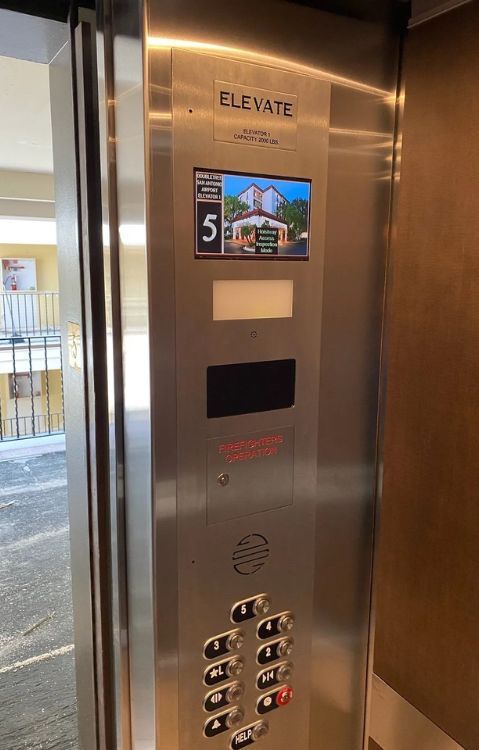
x,y
255,117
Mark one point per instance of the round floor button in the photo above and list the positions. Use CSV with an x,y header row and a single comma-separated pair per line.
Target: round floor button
x,y
235,641
260,729
285,647
262,605
284,672
284,696
235,717
235,667
286,622
235,692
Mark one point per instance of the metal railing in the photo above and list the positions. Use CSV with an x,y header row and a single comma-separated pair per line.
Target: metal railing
x,y
29,314
15,428
34,393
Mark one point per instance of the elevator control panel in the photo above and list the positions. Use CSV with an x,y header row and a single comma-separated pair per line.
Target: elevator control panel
x,y
249,181
227,701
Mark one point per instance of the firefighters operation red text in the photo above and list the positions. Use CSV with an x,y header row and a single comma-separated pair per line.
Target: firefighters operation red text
x,y
247,450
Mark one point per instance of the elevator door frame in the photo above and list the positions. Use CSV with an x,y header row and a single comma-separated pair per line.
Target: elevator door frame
x,y
69,49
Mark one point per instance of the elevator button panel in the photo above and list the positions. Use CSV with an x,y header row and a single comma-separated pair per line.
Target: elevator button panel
x,y
275,699
269,677
248,735
275,650
232,693
223,670
277,625
222,644
249,608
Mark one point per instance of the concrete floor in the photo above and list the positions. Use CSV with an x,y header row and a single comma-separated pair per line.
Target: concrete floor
x,y
37,680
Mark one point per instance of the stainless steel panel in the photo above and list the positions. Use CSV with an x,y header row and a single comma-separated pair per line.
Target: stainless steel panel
x,y
392,231
359,184
359,59
209,583
249,473
124,22
115,384
397,725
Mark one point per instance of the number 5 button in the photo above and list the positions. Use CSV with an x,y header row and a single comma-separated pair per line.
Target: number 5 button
x,y
222,644
249,608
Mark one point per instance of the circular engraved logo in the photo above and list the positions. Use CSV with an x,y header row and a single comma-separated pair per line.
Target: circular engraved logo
x,y
251,553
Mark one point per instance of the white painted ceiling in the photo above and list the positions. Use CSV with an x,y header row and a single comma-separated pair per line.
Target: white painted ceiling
x,y
25,125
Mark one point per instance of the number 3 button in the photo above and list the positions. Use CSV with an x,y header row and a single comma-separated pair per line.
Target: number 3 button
x,y
223,644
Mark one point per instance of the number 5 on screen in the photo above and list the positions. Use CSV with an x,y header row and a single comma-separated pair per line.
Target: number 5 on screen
x,y
209,230
209,222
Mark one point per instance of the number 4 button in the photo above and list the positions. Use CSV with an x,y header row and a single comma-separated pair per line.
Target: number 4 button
x,y
282,623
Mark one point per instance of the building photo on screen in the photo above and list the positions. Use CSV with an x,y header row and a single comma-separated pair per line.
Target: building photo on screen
x,y
251,216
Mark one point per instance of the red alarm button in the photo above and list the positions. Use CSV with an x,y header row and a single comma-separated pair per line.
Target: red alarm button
x,y
284,696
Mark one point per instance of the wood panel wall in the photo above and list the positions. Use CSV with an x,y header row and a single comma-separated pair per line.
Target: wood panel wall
x,y
427,637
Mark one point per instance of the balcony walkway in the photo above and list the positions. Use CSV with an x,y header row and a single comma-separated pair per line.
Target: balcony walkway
x,y
37,680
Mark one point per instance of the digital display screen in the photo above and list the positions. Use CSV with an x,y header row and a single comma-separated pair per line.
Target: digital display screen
x,y
246,216
248,387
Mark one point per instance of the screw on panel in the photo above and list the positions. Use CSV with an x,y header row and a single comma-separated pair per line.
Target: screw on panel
x,y
223,479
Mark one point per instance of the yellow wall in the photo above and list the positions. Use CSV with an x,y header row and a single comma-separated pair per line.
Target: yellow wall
x,y
46,257
54,382
4,394
55,391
